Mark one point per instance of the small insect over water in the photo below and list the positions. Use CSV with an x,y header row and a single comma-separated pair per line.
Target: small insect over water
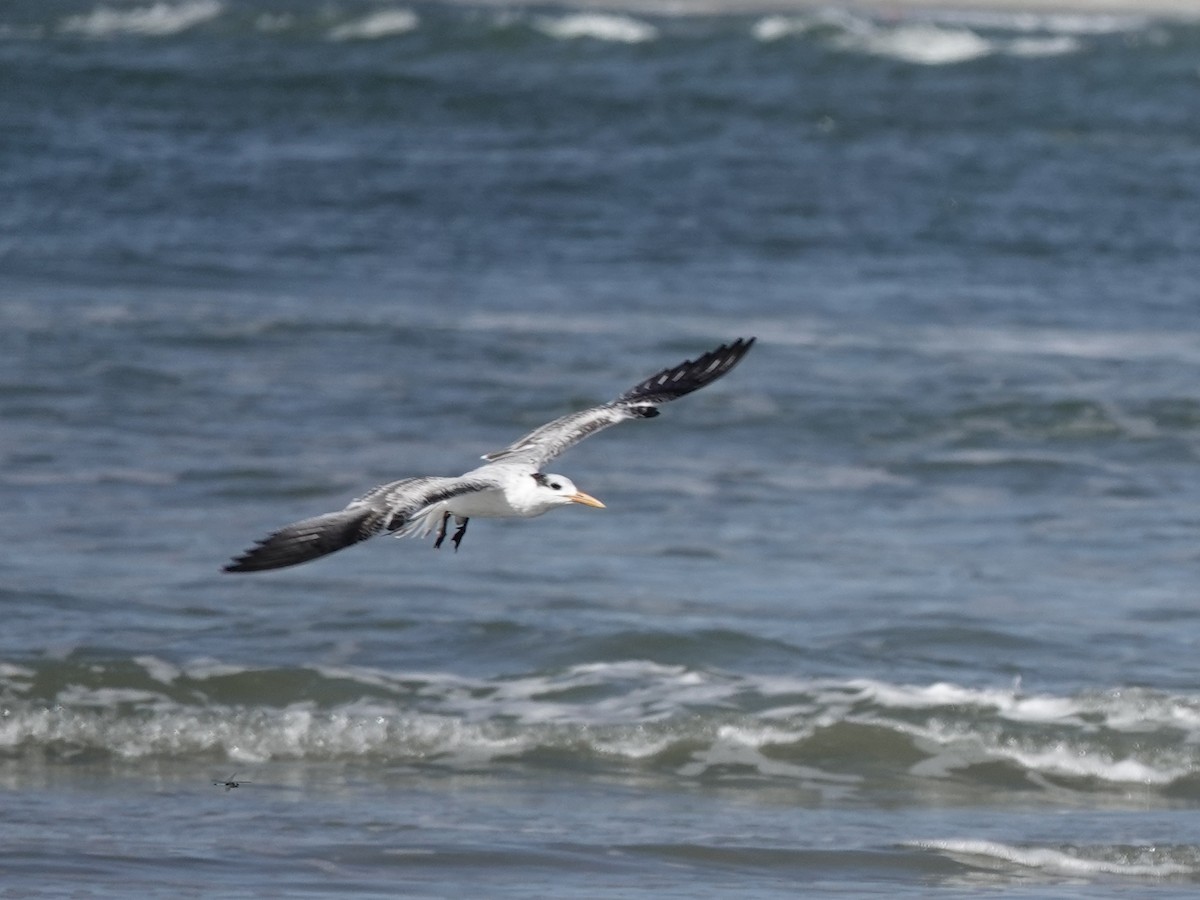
x,y
229,783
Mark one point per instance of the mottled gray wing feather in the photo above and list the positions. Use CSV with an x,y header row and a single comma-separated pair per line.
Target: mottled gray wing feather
x,y
310,539
639,402
387,508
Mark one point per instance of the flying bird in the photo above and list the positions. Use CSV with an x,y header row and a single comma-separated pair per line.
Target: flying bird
x,y
511,482
229,783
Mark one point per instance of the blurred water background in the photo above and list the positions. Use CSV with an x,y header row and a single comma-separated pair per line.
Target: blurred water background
x,y
906,604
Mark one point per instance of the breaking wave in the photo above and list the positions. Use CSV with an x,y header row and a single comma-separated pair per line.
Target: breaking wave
x,y
158,19
596,26
381,24
677,720
945,37
932,38
1130,861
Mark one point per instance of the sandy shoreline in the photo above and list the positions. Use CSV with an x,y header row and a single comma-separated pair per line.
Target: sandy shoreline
x,y
1174,9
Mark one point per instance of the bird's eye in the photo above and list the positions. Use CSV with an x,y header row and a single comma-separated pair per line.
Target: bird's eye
x,y
556,486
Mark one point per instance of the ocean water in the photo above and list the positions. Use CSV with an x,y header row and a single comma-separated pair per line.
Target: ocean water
x,y
906,604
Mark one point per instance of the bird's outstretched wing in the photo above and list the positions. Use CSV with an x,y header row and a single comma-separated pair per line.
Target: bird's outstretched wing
x,y
393,507
639,402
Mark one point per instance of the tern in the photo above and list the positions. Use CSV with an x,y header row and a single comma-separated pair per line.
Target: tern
x,y
511,482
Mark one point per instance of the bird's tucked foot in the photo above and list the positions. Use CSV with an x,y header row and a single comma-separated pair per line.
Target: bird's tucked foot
x,y
458,534
441,533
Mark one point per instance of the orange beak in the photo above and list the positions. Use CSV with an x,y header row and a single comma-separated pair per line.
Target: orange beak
x,y
585,499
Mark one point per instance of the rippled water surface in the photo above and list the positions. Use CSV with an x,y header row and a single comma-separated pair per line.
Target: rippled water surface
x,y
906,603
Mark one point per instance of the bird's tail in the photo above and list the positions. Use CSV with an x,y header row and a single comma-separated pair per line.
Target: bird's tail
x,y
309,539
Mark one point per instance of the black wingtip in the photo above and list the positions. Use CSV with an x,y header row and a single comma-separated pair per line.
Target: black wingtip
x,y
690,375
258,559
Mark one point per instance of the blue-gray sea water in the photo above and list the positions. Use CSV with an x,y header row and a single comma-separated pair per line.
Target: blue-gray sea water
x,y
906,604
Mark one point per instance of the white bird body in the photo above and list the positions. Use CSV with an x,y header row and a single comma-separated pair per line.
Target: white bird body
x,y
518,492
509,485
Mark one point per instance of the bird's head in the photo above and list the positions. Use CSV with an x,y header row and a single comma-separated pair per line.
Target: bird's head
x,y
558,490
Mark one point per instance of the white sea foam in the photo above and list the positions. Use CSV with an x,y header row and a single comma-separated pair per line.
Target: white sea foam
x,y
81,697
1125,711
938,39
838,21
1075,760
159,19
625,710
206,667
1077,861
923,44
380,24
634,691
774,28
965,727
158,669
597,26
1046,23
296,732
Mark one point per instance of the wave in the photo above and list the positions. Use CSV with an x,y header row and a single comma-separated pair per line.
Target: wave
x,y
932,37
1050,23
381,24
1044,46
927,45
93,476
597,26
944,38
941,341
1070,860
680,721
158,19
164,19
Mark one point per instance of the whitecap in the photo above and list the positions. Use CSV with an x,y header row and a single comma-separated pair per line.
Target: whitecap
x,y
633,744
1068,861
75,697
1076,761
158,669
1085,23
922,44
205,667
774,28
1007,703
598,26
907,696
636,691
1046,23
381,24
158,20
